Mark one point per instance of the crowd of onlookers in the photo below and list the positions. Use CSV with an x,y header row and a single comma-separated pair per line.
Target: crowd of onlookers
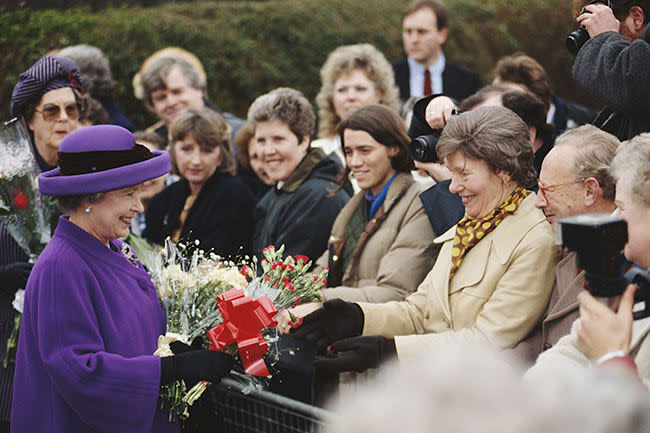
x,y
424,255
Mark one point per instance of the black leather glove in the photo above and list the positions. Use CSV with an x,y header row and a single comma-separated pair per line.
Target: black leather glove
x,y
14,275
194,365
357,354
335,321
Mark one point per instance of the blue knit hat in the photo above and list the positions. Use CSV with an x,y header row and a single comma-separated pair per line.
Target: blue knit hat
x,y
48,73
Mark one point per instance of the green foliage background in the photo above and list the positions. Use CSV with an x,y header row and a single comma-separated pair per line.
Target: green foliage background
x,y
250,47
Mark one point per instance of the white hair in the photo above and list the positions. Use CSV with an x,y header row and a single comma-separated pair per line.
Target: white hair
x,y
477,390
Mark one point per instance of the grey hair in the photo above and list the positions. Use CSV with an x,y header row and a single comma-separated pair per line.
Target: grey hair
x,y
471,389
153,78
495,135
94,67
71,203
286,105
595,150
632,161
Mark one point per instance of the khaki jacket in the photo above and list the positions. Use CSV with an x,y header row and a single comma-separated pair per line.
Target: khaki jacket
x,y
566,354
398,251
562,310
497,296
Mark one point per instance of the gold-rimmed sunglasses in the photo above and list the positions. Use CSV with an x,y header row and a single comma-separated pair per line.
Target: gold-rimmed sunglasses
x,y
52,112
550,188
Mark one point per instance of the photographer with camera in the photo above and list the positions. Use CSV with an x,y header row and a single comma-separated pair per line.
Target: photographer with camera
x,y
614,61
603,334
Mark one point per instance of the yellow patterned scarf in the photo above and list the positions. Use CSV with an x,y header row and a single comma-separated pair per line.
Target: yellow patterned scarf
x,y
470,231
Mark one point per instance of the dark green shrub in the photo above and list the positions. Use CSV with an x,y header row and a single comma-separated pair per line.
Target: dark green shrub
x,y
250,47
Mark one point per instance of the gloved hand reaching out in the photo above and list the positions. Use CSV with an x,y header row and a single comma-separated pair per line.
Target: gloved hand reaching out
x,y
357,354
335,321
14,275
194,365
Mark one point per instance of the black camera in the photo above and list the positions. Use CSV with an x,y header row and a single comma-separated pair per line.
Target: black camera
x,y
423,147
577,38
598,240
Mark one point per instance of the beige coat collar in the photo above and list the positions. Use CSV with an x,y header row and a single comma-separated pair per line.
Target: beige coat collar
x,y
397,189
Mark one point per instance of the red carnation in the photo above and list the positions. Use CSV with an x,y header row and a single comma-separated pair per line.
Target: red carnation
x,y
269,248
296,323
21,201
301,258
246,271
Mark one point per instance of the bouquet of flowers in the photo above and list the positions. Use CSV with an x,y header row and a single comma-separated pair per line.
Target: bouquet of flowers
x,y
23,211
202,294
188,288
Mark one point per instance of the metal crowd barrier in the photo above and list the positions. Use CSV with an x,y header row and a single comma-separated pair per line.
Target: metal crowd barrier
x,y
263,411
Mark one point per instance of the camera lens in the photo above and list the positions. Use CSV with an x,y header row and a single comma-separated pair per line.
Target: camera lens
x,y
423,148
576,40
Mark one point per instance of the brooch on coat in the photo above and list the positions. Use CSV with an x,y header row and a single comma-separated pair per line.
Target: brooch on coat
x,y
128,254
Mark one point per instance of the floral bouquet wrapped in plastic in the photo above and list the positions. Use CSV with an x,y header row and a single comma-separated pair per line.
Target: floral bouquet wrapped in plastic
x,y
188,287
24,213
233,306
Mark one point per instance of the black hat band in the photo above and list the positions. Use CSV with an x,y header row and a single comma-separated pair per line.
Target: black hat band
x,y
75,163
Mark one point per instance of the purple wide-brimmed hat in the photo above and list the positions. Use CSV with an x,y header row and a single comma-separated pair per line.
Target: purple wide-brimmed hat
x,y
48,73
101,158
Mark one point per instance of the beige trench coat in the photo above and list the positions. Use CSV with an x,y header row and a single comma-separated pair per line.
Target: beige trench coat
x,y
497,296
398,253
561,313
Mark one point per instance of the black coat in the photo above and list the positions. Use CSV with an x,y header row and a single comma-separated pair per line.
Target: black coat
x,y
615,72
300,214
221,217
457,82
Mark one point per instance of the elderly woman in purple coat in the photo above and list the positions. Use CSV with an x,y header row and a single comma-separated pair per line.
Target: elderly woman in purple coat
x,y
92,317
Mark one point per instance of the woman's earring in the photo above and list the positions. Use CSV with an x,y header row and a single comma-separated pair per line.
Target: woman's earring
x,y
87,209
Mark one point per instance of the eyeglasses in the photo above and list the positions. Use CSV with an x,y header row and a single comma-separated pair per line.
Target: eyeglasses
x,y
545,189
52,112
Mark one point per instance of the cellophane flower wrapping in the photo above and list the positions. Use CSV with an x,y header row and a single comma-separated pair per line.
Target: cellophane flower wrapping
x,y
23,211
25,214
188,284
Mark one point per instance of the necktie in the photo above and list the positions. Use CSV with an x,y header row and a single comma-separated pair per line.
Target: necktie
x,y
427,83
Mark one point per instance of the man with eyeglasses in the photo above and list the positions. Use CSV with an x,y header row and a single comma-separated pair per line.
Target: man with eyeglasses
x,y
574,180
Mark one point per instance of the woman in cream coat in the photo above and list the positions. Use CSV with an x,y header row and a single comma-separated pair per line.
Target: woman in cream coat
x,y
493,277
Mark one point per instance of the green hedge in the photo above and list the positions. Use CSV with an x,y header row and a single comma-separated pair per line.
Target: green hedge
x,y
248,48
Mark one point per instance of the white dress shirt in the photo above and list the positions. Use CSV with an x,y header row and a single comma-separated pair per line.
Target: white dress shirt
x,y
416,76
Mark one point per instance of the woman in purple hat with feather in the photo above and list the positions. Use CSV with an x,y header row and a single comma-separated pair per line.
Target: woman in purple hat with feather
x,y
92,317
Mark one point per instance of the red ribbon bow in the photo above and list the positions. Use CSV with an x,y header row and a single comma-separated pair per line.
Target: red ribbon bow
x,y
243,321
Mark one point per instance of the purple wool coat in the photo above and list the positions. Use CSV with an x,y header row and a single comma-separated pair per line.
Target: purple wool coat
x,y
90,326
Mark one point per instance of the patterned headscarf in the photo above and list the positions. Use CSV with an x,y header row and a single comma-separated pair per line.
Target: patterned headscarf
x,y
48,73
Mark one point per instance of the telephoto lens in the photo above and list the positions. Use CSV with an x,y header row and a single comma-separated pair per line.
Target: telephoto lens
x,y
576,40
423,148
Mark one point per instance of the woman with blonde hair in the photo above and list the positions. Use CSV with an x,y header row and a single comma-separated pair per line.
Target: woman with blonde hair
x,y
352,77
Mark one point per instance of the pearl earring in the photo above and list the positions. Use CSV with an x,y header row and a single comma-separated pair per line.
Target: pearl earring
x,y
87,209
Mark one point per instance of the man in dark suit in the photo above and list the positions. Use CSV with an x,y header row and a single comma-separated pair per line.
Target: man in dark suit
x,y
425,71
